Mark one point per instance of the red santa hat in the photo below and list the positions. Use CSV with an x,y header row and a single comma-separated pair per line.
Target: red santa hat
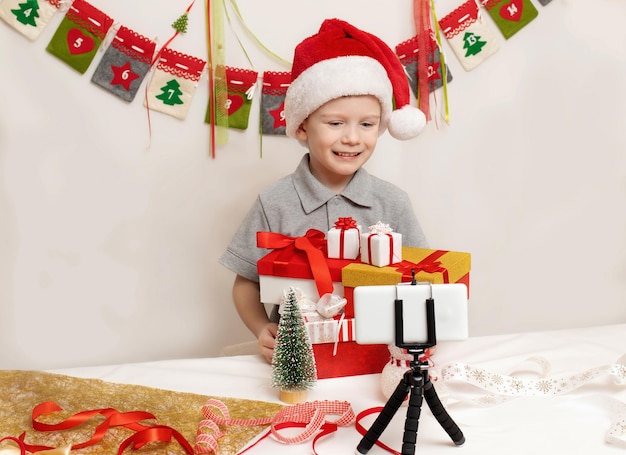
x,y
341,60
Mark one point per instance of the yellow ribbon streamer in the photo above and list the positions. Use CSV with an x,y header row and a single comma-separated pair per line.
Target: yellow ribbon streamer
x,y
254,37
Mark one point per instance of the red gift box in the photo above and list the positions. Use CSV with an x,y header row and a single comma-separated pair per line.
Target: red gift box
x,y
351,359
299,262
336,352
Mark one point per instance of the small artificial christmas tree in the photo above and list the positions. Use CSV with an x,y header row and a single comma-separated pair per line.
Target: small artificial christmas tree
x,y
293,363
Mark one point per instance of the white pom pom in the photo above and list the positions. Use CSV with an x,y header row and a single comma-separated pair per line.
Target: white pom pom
x,y
406,123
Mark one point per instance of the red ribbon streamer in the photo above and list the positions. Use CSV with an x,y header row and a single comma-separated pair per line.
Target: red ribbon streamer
x,y
113,418
421,16
312,244
429,264
154,60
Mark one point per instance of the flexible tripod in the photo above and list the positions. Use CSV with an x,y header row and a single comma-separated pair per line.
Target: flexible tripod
x,y
416,381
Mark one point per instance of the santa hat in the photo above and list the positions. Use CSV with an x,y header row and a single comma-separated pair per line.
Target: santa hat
x,y
341,60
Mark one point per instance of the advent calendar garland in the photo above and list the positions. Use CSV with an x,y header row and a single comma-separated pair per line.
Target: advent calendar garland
x,y
131,56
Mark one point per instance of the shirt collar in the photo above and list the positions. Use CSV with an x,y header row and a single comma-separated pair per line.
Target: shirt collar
x,y
313,194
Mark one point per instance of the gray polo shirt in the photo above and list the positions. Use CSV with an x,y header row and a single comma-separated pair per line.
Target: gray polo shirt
x,y
299,202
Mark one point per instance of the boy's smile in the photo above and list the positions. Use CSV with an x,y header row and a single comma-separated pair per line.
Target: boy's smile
x,y
341,136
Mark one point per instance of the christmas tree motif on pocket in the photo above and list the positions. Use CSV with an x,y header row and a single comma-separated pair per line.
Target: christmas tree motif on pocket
x,y
469,36
174,83
79,35
510,15
240,84
275,85
407,52
125,64
29,17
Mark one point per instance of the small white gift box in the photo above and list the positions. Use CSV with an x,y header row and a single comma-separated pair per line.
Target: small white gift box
x,y
344,239
381,246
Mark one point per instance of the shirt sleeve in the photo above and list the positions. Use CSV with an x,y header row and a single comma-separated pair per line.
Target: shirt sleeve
x,y
242,253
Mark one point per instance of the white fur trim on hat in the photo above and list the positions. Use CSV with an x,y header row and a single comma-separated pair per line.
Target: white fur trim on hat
x,y
333,78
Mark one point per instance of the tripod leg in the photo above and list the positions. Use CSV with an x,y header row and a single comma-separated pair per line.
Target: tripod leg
x,y
411,423
385,416
440,413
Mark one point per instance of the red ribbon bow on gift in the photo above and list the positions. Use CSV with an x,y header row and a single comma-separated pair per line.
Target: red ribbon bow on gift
x,y
312,244
429,264
345,223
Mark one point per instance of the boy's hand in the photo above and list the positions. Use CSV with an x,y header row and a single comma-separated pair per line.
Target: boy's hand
x,y
267,340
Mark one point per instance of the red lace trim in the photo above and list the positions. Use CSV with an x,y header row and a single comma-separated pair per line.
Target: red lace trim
x,y
90,18
55,3
240,80
276,82
459,19
134,45
181,65
407,50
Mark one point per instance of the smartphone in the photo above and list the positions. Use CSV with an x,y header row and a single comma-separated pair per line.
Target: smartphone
x,y
375,318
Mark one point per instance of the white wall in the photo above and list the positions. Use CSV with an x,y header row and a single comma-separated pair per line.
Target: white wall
x,y
108,249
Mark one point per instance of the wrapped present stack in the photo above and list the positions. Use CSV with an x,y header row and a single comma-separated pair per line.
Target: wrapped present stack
x,y
326,267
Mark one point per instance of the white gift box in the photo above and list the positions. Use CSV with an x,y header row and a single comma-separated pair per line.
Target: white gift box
x,y
344,243
381,250
331,330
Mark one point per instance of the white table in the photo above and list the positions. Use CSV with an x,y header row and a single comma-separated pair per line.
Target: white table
x,y
574,422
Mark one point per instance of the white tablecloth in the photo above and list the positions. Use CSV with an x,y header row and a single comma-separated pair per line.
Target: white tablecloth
x,y
574,422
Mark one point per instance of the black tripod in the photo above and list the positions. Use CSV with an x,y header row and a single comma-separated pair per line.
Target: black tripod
x,y
416,381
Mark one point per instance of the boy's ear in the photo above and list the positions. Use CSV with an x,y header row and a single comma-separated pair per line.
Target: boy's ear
x,y
301,133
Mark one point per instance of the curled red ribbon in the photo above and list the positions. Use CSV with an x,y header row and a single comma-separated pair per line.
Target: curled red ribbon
x,y
312,244
131,420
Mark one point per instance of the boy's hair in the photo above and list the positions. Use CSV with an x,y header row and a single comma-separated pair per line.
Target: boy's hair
x,y
341,60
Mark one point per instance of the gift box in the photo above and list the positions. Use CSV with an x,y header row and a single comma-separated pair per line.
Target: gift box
x,y
434,266
350,359
344,240
299,262
381,246
330,330
337,354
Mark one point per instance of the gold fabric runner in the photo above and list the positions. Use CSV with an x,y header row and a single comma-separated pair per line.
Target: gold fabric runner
x,y
21,391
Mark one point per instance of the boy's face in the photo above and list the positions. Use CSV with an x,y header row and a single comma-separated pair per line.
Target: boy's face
x,y
341,136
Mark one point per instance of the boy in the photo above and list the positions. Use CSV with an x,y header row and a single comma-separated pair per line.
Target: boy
x,y
341,98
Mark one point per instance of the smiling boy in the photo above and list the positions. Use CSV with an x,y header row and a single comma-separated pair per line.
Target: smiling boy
x,y
345,84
